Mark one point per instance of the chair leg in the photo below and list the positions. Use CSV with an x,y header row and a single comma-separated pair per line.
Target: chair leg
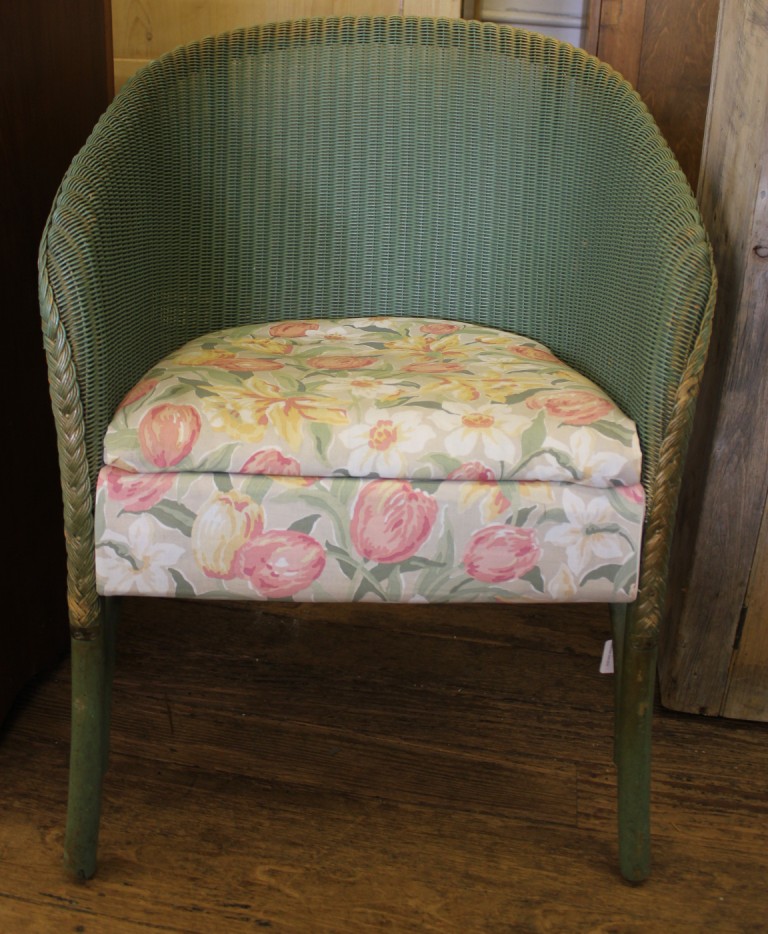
x,y
111,617
619,628
634,715
91,692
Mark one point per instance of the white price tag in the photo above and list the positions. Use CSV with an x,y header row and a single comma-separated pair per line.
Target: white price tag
x,y
606,662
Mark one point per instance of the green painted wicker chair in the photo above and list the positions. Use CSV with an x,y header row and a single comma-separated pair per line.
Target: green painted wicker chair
x,y
373,309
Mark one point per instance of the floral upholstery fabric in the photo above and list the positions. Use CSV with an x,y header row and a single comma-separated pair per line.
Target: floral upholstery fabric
x,y
347,539
369,397
369,459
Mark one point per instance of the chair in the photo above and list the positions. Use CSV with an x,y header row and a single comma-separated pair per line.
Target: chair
x,y
374,309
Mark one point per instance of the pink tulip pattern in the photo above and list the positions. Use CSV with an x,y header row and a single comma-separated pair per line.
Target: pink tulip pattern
x,y
391,520
167,433
500,553
136,492
281,563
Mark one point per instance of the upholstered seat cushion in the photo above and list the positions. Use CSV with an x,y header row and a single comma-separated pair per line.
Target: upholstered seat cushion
x,y
373,397
369,459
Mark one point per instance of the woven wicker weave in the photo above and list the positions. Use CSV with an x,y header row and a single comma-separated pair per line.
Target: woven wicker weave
x,y
384,166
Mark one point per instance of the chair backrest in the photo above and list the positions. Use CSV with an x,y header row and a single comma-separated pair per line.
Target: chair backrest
x,y
381,167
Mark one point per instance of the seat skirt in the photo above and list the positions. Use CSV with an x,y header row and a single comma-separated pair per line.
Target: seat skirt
x,y
348,539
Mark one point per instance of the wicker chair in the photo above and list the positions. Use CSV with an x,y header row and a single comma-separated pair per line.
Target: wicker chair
x,y
418,226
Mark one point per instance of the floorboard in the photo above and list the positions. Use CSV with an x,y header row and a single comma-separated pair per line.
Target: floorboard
x,y
356,769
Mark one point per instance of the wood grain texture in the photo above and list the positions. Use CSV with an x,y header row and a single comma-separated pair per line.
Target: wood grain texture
x,y
352,769
620,39
725,487
450,8
747,695
592,34
674,73
145,29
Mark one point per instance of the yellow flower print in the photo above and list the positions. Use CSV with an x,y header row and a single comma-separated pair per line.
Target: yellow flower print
x,y
453,388
501,388
234,362
364,387
247,411
427,346
492,501
564,585
535,489
196,358
224,524
261,345
479,485
492,340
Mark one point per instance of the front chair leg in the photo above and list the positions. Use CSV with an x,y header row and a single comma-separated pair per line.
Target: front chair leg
x,y
634,715
619,627
89,742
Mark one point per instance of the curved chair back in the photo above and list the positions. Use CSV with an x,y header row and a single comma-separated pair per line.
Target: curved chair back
x,y
382,167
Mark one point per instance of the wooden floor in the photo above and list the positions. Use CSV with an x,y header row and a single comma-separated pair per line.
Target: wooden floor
x,y
376,769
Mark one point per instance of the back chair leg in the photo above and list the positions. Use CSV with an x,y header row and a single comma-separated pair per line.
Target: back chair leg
x,y
634,715
92,663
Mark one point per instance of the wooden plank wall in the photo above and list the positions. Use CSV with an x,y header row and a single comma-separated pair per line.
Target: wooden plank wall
x,y
621,36
145,29
724,495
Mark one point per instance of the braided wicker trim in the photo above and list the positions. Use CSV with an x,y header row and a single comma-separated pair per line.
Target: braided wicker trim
x,y
82,598
666,488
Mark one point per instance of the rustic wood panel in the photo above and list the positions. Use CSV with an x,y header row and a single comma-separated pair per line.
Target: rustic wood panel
x,y
344,770
747,695
620,40
665,50
594,12
727,476
145,29
675,71
431,8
